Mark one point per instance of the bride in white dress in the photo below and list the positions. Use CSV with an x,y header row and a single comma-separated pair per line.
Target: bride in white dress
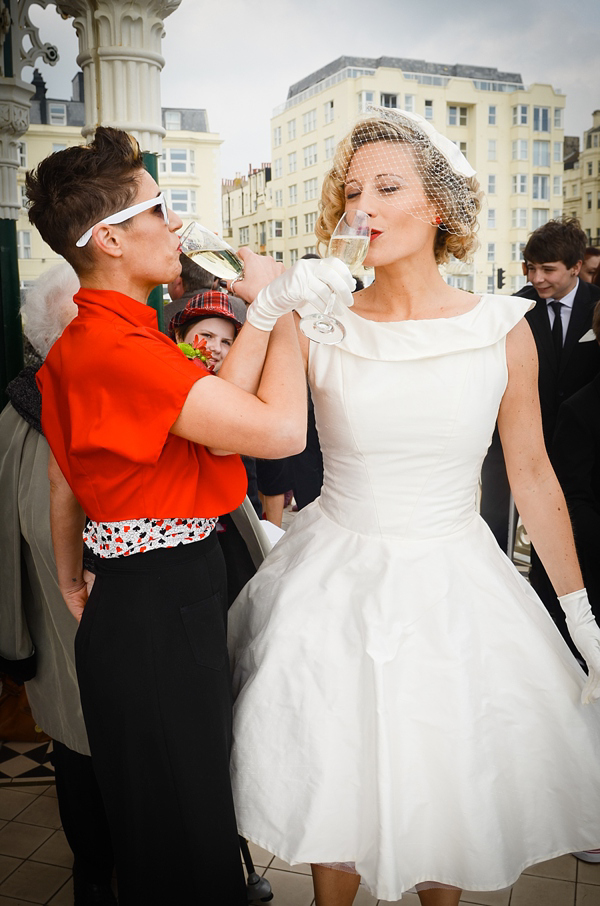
x,y
406,710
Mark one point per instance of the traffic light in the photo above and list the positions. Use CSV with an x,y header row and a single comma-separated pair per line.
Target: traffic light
x,y
500,278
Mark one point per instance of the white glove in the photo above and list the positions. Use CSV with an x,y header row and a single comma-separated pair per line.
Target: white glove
x,y
309,280
585,633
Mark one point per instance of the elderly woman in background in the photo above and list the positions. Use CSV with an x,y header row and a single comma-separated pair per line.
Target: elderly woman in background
x,y
37,631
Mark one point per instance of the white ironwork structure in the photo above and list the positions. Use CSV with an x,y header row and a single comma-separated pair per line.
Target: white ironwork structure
x,y
15,94
119,53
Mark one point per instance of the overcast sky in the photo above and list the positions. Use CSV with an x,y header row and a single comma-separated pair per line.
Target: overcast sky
x,y
237,58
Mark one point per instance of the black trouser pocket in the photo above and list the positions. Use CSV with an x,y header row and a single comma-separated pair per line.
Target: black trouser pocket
x,y
204,623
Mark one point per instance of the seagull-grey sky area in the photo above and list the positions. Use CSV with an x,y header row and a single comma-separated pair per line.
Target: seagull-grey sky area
x,y
237,58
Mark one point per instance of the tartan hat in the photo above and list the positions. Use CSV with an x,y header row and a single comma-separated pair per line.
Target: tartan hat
x,y
207,304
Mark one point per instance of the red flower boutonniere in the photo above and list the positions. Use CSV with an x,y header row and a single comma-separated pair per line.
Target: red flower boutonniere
x,y
198,353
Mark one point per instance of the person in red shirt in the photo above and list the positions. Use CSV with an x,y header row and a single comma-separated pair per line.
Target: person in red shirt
x,y
144,445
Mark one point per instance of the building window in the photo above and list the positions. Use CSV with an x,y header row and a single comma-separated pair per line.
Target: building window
x,y
519,184
293,191
279,256
490,284
22,153
462,146
310,221
428,110
492,152
172,120
520,115
329,147
590,170
23,243
541,191
558,117
541,154
519,218
491,218
309,121
244,235
409,103
491,251
310,250
491,184
457,116
58,146
177,160
276,136
598,204
516,251
365,98
310,155
539,216
278,198
328,112
277,168
519,149
275,229
517,282
588,201
541,119
389,100
293,226
310,189
293,256
557,213
24,199
492,115
558,152
263,233
292,162
291,130
557,186
57,114
183,201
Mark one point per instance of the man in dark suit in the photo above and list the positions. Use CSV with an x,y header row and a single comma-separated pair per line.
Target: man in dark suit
x,y
569,358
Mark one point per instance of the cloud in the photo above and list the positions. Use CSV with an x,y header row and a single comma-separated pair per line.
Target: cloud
x,y
237,60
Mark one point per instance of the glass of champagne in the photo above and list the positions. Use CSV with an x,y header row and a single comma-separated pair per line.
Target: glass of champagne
x,y
211,252
350,243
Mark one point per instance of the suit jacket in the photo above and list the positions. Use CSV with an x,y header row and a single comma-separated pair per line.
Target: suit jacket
x,y
580,361
576,456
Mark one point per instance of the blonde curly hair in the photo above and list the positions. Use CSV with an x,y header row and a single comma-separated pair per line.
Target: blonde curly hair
x,y
456,198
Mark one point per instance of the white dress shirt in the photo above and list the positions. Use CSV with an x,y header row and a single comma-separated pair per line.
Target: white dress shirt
x,y
565,311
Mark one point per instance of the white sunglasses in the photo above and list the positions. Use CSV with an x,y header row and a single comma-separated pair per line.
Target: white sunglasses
x,y
126,214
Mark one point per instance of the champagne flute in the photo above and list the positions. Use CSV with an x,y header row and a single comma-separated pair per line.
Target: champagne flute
x,y
211,252
350,243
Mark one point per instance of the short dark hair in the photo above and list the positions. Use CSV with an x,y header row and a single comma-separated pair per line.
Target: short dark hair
x,y
73,189
591,252
558,240
194,277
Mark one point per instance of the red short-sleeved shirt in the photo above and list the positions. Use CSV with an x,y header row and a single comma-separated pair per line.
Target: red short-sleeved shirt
x,y
112,386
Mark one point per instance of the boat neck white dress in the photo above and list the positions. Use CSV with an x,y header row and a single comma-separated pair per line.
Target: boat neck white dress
x,y
404,701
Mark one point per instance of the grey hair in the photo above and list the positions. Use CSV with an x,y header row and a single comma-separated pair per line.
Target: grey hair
x,y
48,306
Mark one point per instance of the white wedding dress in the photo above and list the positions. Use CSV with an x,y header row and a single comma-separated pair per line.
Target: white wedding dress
x,y
404,701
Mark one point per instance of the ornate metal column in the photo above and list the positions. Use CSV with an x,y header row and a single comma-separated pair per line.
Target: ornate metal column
x,y
15,101
119,53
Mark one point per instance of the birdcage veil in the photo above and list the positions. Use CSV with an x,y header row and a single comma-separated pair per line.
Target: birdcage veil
x,y
418,170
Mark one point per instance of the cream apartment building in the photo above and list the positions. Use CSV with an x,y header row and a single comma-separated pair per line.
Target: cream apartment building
x,y
189,170
582,182
512,135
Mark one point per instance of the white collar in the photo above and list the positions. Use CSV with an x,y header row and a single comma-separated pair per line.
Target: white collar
x,y
568,299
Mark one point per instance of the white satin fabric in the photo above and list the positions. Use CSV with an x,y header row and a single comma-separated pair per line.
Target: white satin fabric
x,y
404,702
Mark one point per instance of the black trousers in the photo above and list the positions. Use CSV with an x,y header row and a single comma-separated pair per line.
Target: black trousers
x,y
82,814
155,689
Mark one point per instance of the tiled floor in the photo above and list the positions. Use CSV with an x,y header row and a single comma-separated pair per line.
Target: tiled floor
x,y
35,865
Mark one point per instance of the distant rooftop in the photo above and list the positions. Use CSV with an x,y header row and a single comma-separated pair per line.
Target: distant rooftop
x,y
449,70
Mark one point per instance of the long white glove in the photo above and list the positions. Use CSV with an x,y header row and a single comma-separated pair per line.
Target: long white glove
x,y
309,280
585,633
